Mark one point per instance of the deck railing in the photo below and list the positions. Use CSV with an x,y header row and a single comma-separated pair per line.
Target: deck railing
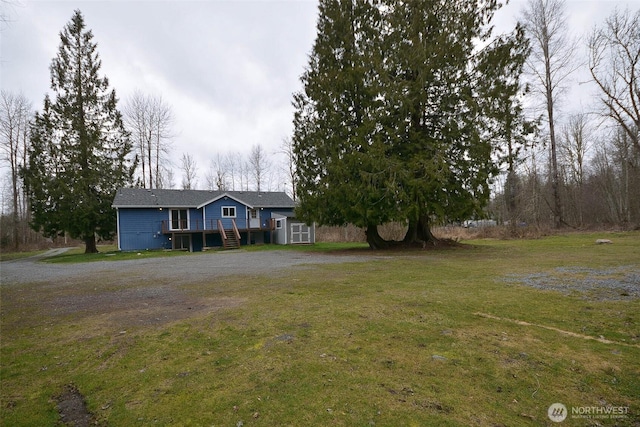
x,y
199,225
169,226
235,229
223,233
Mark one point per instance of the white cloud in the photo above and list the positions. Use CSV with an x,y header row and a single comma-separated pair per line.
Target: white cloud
x,y
227,68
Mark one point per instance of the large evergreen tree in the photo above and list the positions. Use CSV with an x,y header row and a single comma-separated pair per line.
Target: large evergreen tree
x,y
344,173
394,121
79,147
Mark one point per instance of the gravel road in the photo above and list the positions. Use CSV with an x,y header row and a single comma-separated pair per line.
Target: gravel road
x,y
188,268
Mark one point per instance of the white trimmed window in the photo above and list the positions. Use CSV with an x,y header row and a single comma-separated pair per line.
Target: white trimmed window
x,y
179,219
228,212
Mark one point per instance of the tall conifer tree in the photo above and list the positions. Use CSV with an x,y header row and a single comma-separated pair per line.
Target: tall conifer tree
x,y
80,149
393,123
344,173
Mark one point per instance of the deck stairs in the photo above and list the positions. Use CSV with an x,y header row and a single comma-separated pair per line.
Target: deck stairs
x,y
231,237
231,242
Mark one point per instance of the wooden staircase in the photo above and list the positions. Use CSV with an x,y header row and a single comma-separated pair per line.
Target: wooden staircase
x,y
232,241
230,238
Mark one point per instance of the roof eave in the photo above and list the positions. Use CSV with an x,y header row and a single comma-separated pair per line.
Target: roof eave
x,y
215,199
153,206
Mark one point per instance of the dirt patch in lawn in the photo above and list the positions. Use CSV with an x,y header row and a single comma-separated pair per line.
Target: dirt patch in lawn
x,y
143,306
72,408
114,306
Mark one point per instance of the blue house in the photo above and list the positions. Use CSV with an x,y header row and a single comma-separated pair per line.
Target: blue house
x,y
196,220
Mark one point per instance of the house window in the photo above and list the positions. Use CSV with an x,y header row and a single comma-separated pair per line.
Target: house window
x,y
278,224
179,219
254,214
228,212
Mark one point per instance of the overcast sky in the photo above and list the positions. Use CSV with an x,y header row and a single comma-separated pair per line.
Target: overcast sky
x,y
228,69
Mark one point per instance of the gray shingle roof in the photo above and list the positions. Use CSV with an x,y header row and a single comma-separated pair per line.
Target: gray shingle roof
x,y
143,198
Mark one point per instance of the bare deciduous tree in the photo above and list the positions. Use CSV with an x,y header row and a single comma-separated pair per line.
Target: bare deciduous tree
x,y
218,176
189,172
15,114
149,120
551,62
616,178
576,142
614,62
168,178
286,148
233,161
574,147
243,174
258,165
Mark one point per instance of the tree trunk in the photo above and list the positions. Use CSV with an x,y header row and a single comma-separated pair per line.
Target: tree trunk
x,y
510,193
558,219
412,232
374,239
16,215
419,231
424,230
90,245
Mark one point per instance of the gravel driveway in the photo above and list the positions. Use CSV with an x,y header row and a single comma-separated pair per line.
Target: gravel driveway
x,y
188,268
138,292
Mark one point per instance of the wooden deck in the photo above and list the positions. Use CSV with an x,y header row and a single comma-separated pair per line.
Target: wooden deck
x,y
210,226
231,236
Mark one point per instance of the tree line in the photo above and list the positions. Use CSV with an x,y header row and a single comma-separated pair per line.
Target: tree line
x,y
409,112
585,170
149,120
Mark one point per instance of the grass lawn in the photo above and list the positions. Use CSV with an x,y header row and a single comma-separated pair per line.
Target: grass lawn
x,y
108,253
457,337
111,253
11,256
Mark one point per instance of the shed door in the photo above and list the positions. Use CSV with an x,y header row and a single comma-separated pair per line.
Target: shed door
x,y
300,233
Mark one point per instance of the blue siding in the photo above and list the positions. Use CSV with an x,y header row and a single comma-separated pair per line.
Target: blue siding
x,y
195,219
213,212
141,229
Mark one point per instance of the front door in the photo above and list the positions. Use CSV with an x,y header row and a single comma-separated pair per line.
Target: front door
x,y
254,218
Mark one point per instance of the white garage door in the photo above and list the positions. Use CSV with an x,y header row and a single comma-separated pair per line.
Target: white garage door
x,y
300,233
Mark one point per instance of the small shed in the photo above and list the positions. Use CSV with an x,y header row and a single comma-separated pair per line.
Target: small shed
x,y
289,230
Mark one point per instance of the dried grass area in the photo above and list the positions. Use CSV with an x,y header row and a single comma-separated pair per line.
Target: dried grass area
x,y
396,231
